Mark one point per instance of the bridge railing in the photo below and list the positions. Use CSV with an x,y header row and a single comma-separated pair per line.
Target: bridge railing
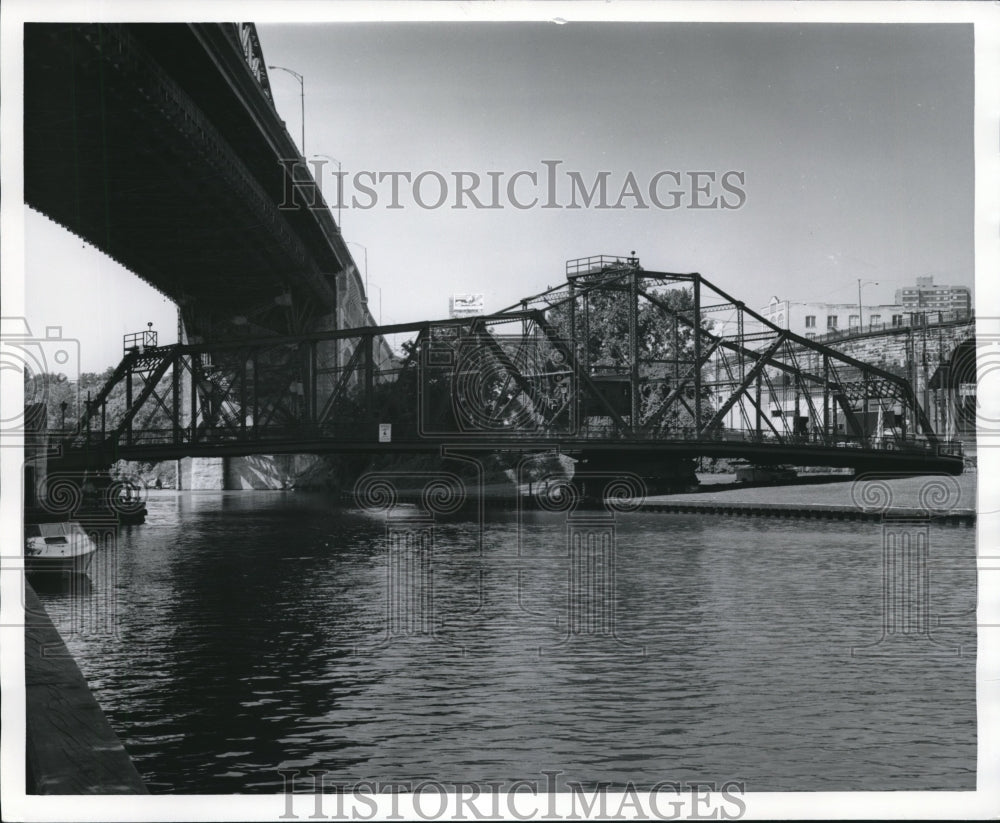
x,y
517,379
607,430
595,264
274,434
912,320
140,340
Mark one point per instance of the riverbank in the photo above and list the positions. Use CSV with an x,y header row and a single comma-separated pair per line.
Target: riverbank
x,y
837,490
69,746
946,498
831,496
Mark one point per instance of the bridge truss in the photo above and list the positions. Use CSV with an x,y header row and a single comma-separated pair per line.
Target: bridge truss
x,y
617,359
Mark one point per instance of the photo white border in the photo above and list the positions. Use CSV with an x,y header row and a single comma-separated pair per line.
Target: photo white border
x,y
981,804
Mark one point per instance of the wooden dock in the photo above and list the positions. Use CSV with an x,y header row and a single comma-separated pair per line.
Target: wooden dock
x,y
805,511
70,748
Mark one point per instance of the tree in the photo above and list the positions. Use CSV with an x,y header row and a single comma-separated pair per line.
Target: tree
x,y
601,328
54,389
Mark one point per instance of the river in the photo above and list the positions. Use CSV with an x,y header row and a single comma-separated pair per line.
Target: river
x,y
237,634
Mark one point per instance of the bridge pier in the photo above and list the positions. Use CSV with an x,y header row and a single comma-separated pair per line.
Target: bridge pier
x,y
273,472
660,476
262,471
201,473
259,472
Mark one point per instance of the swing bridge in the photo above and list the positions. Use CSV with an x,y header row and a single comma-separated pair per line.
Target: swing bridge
x,y
620,366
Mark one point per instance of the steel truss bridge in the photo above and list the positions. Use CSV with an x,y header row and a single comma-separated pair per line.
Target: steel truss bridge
x,y
618,365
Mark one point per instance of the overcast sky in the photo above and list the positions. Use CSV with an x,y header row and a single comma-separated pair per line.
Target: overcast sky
x,y
854,143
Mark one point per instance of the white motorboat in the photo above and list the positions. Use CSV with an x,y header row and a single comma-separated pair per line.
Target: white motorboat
x,y
57,547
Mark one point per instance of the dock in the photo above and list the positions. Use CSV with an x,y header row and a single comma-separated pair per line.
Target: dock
x,y
801,511
69,746
942,500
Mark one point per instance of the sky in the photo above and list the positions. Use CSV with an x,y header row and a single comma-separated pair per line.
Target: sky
x,y
852,145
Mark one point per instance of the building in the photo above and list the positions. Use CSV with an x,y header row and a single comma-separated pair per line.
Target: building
x,y
925,296
818,319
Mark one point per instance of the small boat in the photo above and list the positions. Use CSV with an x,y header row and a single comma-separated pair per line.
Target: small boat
x,y
57,547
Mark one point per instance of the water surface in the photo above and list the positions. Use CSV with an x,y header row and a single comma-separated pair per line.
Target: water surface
x,y
253,633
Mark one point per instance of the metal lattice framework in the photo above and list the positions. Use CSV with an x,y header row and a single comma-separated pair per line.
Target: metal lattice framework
x,y
617,359
731,372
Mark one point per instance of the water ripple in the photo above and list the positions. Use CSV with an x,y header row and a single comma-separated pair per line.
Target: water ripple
x,y
253,635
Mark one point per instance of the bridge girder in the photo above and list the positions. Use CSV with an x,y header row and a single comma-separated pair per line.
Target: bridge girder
x,y
513,380
845,383
157,145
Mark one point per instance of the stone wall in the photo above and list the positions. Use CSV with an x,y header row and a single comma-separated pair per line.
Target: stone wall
x,y
258,472
201,473
914,353
269,471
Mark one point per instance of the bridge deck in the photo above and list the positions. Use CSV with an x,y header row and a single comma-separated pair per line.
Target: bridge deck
x,y
926,458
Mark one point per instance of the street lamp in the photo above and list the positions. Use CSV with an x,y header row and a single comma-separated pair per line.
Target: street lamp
x,y
302,98
340,190
367,286
861,283
365,248
379,302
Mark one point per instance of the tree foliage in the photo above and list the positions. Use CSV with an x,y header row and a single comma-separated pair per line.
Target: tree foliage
x,y
53,390
666,344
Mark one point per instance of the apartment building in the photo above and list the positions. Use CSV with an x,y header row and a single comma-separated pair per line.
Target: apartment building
x,y
926,296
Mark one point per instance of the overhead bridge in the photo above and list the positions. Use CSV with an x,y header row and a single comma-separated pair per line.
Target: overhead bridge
x,y
160,145
619,365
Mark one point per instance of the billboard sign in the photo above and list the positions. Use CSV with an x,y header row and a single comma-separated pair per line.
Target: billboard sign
x,y
466,305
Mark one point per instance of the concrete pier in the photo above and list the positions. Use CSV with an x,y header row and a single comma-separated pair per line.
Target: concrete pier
x,y
70,748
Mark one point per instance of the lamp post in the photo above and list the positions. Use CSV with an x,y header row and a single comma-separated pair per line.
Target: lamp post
x,y
302,99
379,302
861,283
340,192
365,249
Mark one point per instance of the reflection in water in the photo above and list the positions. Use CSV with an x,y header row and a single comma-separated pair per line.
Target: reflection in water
x,y
70,584
252,633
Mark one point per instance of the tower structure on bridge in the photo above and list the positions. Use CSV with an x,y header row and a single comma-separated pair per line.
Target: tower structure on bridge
x,y
620,366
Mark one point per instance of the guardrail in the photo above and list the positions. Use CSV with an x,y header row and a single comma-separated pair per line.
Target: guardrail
x,y
140,340
597,263
916,320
